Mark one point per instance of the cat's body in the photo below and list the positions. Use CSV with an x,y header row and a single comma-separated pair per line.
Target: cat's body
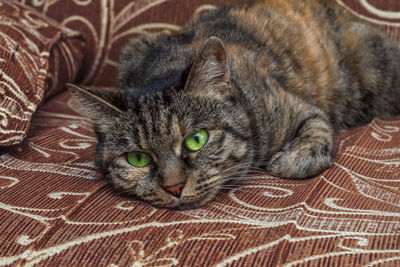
x,y
271,83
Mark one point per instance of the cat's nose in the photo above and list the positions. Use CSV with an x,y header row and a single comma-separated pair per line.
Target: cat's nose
x,y
175,189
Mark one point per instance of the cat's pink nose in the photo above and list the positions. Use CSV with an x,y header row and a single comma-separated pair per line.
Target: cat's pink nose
x,y
175,189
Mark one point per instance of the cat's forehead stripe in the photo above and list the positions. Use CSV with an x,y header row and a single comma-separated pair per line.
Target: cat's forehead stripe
x,y
181,127
178,148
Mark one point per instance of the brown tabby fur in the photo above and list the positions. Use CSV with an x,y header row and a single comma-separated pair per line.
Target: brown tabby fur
x,y
272,82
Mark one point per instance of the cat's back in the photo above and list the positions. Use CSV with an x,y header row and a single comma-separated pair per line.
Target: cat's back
x,y
311,48
259,23
282,34
296,43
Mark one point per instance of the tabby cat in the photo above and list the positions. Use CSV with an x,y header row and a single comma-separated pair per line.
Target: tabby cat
x,y
263,85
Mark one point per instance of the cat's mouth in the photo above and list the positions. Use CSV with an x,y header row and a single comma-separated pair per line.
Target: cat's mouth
x,y
192,203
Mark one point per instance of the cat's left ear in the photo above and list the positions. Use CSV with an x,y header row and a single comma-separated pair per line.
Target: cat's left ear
x,y
209,74
101,106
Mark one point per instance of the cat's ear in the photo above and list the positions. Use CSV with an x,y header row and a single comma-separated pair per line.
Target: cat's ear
x,y
209,74
98,105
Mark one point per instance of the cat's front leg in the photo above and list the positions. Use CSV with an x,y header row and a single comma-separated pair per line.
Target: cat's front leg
x,y
310,151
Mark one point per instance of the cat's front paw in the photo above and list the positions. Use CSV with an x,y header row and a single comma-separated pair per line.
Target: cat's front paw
x,y
298,164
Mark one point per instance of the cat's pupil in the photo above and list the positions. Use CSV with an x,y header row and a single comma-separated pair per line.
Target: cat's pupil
x,y
139,156
196,138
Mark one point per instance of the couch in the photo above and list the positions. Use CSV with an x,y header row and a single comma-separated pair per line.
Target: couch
x,y
57,210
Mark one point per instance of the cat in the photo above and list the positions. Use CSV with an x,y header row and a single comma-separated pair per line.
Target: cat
x,y
263,85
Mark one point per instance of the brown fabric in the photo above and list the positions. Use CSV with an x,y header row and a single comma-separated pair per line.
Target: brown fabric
x,y
56,210
37,57
381,13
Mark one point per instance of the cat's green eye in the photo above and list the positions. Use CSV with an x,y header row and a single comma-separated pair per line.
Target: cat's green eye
x,y
138,159
195,141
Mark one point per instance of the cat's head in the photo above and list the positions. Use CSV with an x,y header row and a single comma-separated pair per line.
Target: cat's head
x,y
174,147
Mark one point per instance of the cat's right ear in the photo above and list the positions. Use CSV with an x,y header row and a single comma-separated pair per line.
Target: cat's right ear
x,y
209,74
98,105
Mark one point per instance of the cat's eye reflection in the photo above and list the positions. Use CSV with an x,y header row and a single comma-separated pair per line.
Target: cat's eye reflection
x,y
196,140
138,159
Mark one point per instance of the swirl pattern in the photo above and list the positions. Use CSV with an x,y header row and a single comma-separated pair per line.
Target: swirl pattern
x,y
33,51
384,14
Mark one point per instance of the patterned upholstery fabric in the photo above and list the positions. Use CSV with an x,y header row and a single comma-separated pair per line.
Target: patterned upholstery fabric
x,y
381,13
37,57
55,209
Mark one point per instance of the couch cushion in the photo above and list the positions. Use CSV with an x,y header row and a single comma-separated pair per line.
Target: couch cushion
x,y
383,14
37,57
55,209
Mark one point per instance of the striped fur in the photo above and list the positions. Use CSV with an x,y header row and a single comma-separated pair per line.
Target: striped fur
x,y
272,82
